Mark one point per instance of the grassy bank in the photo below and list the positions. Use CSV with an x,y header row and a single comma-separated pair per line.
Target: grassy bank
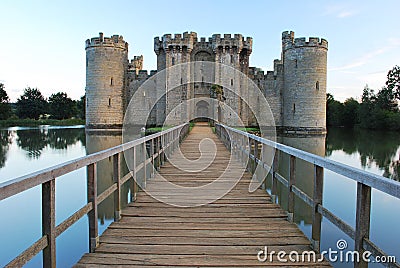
x,y
34,123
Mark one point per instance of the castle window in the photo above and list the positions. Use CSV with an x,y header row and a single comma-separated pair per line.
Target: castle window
x,y
231,82
317,85
109,101
295,63
181,81
294,107
111,81
231,58
87,62
173,61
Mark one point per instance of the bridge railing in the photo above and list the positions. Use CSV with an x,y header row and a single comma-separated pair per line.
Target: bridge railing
x,y
154,149
249,149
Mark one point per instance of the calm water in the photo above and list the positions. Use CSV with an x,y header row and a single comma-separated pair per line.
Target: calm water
x,y
24,150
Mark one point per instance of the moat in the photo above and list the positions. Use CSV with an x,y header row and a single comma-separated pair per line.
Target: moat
x,y
24,150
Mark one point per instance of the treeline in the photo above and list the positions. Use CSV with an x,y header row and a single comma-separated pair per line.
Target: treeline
x,y
376,111
33,105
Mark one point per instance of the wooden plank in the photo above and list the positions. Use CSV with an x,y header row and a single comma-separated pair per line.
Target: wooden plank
x,y
187,260
93,214
73,218
49,222
117,182
29,253
317,200
363,214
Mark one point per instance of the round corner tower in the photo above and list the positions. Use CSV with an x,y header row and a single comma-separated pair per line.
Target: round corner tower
x,y
305,76
106,67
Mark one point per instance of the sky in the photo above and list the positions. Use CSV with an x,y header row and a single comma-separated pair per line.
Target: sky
x,y
43,42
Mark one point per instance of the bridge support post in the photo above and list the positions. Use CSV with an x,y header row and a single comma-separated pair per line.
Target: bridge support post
x,y
92,198
152,151
117,180
48,222
144,165
158,148
292,182
317,200
274,183
363,214
134,185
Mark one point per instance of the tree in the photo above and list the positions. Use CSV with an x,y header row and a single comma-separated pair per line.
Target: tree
x,y
393,81
334,111
61,106
350,113
386,100
5,108
31,104
81,107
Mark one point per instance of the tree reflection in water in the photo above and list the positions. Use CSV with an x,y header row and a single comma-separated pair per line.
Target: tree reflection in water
x,y
34,141
380,148
5,141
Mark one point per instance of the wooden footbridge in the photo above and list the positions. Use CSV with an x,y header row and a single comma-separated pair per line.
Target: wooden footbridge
x,y
231,231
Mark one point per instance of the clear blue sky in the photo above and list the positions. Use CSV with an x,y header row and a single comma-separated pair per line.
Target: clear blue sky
x,y
42,42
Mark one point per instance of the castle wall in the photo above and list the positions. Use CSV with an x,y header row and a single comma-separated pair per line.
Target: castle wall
x,y
305,72
106,65
295,89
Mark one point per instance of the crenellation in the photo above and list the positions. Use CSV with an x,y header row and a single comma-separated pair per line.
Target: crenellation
x,y
116,41
289,42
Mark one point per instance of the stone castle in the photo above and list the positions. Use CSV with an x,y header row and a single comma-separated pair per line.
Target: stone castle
x,y
295,89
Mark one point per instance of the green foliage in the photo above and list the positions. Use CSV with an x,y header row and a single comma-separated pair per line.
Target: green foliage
x,y
61,106
81,107
13,122
393,81
31,104
334,111
216,91
376,111
350,112
5,108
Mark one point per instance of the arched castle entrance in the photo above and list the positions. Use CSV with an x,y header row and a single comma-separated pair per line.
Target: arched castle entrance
x,y
202,111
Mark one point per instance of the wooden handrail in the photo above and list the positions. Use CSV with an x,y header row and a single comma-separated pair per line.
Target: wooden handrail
x,y
234,138
165,141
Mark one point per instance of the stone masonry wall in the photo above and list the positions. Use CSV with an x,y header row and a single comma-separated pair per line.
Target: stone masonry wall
x,y
106,66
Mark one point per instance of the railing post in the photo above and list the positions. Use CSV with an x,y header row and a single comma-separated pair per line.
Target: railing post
x,y
144,164
134,186
363,214
292,181
117,180
274,183
152,158
255,153
92,197
48,222
317,200
158,147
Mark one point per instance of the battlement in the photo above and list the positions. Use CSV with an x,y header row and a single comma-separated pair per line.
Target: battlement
x,y
237,41
189,40
116,41
136,63
289,42
178,41
141,74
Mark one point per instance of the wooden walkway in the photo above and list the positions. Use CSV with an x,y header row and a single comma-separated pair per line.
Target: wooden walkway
x,y
226,233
